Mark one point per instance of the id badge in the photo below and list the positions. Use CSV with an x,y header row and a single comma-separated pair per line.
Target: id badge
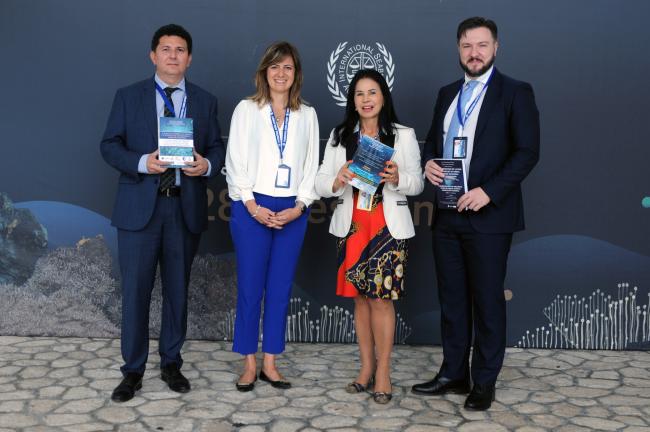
x,y
460,148
364,201
283,177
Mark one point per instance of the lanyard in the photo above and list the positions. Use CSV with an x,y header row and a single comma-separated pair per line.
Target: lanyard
x,y
463,119
285,127
169,104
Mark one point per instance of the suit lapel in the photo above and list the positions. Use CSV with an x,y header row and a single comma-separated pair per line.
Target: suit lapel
x,y
149,107
492,95
189,88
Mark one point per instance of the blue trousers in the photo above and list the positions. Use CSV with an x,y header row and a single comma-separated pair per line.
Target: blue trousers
x,y
266,265
165,240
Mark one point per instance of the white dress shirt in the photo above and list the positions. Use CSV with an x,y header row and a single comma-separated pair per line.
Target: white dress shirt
x,y
253,156
470,124
178,97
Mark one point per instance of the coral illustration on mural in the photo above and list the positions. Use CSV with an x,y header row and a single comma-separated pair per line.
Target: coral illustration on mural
x,y
334,325
599,321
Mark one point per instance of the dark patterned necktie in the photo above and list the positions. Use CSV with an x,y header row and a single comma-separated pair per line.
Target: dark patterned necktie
x,y
168,178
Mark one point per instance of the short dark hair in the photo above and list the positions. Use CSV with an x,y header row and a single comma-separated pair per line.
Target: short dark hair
x,y
476,22
171,30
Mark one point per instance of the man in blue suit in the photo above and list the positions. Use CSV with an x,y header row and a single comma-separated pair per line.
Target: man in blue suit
x,y
491,122
159,211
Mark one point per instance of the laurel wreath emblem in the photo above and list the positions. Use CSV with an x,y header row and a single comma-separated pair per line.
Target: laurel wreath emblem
x,y
333,85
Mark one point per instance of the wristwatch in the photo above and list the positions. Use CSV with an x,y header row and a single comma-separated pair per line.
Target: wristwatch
x,y
303,207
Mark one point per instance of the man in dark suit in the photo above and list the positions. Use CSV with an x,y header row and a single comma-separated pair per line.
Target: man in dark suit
x,y
491,122
159,211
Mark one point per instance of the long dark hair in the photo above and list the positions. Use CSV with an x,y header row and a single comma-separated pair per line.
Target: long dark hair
x,y
344,132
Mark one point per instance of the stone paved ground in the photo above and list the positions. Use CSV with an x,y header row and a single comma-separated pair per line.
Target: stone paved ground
x,y
64,384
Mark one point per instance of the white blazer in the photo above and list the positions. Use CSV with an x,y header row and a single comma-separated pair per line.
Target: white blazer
x,y
396,211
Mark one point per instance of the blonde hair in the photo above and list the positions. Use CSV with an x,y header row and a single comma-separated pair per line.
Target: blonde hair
x,y
273,54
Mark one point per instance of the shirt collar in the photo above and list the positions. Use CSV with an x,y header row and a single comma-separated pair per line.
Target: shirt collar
x,y
483,79
163,85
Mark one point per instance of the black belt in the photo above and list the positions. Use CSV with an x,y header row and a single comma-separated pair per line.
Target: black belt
x,y
170,192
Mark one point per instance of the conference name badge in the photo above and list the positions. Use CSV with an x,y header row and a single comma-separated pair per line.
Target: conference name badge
x,y
460,148
283,176
364,201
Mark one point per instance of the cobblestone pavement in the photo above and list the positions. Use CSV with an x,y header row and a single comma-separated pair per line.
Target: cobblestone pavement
x,y
52,384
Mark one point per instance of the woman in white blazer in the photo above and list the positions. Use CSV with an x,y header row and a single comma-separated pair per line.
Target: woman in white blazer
x,y
373,231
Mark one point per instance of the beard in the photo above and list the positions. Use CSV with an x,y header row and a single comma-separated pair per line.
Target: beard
x,y
479,72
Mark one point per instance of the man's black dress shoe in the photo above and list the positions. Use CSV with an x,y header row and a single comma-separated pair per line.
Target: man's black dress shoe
x,y
281,384
481,397
125,391
172,375
441,385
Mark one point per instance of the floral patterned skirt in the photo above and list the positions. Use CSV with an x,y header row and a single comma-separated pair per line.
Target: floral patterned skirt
x,y
370,261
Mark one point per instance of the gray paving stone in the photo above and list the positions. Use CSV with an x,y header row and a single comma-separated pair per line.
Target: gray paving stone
x,y
349,409
264,404
116,414
630,420
207,410
51,392
80,393
67,419
598,423
296,412
88,427
547,421
250,417
309,401
69,389
425,428
14,420
509,419
582,392
382,423
333,421
15,395
80,406
608,374
286,426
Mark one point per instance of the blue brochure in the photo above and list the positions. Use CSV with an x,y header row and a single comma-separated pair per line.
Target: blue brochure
x,y
176,140
368,161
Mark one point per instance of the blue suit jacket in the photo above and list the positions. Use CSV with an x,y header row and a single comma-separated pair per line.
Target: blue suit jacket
x,y
132,130
506,148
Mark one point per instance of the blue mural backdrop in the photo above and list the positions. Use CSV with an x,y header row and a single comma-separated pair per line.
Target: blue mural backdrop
x,y
579,276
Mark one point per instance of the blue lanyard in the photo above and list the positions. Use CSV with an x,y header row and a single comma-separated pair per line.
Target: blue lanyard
x,y
462,120
281,144
170,105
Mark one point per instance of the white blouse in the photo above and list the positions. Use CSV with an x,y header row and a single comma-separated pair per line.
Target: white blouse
x,y
253,157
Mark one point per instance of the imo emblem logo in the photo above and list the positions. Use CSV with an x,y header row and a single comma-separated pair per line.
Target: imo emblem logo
x,y
346,60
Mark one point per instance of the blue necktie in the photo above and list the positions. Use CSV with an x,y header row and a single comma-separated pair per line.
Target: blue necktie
x,y
168,178
454,126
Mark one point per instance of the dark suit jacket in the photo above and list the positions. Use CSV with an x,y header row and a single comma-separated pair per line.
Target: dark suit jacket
x,y
506,148
132,130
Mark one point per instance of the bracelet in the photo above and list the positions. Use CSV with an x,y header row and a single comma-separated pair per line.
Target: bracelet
x,y
301,205
254,215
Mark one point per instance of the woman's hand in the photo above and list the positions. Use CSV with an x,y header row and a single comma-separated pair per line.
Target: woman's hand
x,y
390,173
283,217
343,177
261,214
